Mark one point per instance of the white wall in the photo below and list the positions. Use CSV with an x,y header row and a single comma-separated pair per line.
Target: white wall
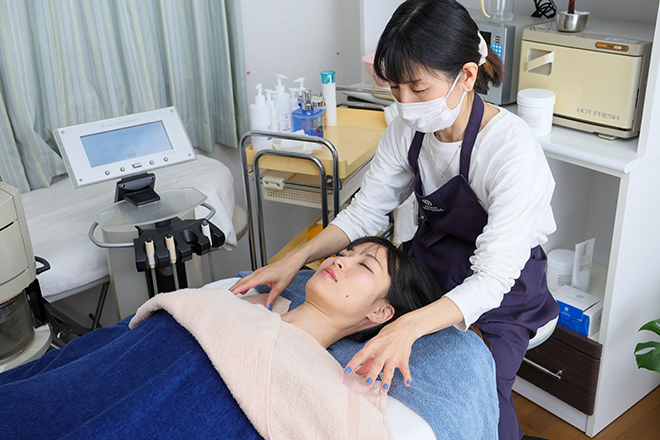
x,y
374,15
301,38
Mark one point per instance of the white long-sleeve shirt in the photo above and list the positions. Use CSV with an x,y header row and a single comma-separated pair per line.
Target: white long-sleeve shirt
x,y
509,175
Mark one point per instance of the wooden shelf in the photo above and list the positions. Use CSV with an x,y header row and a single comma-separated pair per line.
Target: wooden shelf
x,y
355,138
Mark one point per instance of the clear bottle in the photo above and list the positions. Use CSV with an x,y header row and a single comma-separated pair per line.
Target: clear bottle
x,y
260,119
307,117
283,105
329,92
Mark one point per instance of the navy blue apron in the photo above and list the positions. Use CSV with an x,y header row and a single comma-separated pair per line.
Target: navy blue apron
x,y
453,218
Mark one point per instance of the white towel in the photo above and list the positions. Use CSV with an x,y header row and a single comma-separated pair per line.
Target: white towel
x,y
287,384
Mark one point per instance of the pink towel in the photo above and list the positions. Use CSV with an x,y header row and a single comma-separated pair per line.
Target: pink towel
x,y
287,384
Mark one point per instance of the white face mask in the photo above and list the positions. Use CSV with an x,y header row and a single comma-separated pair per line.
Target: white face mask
x,y
429,116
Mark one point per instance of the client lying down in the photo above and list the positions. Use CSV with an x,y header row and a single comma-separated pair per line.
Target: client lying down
x,y
153,381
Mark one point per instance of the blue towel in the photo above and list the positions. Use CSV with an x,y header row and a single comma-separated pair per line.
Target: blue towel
x,y
453,386
154,381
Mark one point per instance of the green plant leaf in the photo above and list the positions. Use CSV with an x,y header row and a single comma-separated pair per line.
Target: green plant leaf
x,y
653,326
650,359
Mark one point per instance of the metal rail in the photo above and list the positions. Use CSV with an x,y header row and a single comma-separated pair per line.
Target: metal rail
x,y
102,244
283,153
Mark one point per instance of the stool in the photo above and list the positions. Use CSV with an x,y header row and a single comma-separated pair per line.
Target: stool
x,y
542,334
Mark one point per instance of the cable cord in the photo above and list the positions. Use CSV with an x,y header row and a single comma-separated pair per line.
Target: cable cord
x,y
545,8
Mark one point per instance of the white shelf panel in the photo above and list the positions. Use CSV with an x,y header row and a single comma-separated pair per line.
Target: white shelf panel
x,y
598,280
587,150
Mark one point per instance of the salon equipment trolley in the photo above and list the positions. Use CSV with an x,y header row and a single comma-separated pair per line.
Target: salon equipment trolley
x,y
127,227
307,179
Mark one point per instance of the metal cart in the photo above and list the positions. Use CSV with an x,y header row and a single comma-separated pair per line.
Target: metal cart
x,y
330,172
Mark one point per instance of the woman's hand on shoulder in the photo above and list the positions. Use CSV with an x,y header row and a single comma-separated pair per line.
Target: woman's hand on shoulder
x,y
388,350
277,276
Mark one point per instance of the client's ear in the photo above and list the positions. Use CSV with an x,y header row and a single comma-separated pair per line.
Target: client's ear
x,y
382,312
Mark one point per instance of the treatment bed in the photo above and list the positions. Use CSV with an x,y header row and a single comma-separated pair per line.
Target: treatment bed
x,y
156,381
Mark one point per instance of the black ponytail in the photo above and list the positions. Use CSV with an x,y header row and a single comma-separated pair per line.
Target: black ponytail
x,y
433,36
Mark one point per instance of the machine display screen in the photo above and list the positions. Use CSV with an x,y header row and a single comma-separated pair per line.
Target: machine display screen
x,y
126,143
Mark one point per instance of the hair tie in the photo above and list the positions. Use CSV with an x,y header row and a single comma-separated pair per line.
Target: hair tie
x,y
483,49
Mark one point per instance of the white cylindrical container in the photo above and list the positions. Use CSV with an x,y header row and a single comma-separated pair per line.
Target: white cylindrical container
x,y
260,119
560,268
283,105
329,92
535,106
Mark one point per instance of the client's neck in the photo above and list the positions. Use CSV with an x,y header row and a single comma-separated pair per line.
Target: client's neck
x,y
314,321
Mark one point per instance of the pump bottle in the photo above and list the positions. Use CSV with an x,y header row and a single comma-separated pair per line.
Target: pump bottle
x,y
296,94
260,119
274,117
283,105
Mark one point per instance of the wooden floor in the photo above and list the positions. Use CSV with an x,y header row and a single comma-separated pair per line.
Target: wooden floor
x,y
641,422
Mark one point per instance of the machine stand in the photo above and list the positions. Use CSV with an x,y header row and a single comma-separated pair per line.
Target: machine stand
x,y
138,189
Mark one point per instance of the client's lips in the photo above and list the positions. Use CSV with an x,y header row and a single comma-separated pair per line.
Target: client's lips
x,y
329,272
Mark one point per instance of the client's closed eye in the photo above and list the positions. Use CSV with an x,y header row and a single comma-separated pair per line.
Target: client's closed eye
x,y
366,266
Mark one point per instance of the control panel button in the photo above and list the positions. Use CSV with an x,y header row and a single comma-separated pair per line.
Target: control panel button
x,y
497,48
611,46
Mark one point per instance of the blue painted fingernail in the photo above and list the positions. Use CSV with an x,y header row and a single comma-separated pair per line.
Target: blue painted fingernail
x,y
385,387
370,381
408,382
348,370
270,307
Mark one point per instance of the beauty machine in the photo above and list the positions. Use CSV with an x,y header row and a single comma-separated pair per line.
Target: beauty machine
x,y
153,239
24,331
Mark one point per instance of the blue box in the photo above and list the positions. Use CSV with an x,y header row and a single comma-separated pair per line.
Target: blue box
x,y
579,311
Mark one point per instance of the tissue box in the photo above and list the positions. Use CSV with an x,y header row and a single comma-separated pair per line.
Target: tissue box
x,y
579,311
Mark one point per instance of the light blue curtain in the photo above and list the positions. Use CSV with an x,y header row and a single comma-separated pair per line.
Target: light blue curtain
x,y
66,62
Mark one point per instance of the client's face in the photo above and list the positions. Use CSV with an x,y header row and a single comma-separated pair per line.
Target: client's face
x,y
351,285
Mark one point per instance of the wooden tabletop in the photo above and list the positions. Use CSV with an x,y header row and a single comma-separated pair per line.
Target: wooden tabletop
x,y
355,137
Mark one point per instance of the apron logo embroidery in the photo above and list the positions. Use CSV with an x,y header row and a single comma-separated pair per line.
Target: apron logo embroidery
x,y
428,206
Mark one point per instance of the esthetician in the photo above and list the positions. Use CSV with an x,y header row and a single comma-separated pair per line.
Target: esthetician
x,y
484,188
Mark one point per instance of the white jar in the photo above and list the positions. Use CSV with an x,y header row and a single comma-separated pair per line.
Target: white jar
x,y
535,106
560,268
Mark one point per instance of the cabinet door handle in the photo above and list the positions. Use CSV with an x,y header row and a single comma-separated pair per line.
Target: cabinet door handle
x,y
556,375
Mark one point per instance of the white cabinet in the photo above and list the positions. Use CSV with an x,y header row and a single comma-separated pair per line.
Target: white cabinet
x,y
610,190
